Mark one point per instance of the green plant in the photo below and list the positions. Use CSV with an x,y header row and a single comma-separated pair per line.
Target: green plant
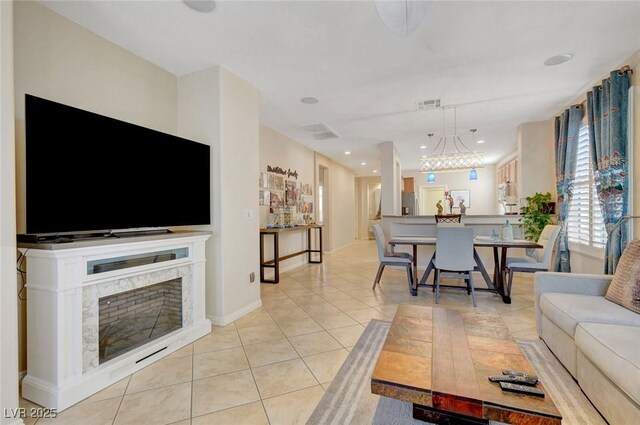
x,y
536,215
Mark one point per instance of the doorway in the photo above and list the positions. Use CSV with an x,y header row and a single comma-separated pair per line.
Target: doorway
x,y
323,205
429,197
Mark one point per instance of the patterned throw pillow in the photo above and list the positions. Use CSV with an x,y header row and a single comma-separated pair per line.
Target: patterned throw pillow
x,y
625,286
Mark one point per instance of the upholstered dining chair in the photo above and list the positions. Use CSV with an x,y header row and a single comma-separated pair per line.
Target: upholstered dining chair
x,y
388,258
538,260
448,218
454,259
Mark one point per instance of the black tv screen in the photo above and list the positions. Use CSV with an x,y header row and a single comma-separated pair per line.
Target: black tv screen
x,y
86,172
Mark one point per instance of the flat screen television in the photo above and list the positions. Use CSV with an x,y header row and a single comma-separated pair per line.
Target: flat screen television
x,y
86,173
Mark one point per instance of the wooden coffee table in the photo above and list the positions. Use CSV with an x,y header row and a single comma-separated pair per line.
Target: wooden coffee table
x,y
439,360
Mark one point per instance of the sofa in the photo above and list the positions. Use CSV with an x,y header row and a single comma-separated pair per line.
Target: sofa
x,y
596,340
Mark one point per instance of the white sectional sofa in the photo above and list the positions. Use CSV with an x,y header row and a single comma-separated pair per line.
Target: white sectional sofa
x,y
596,340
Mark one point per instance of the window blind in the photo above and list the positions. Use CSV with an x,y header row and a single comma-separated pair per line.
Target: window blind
x,y
585,224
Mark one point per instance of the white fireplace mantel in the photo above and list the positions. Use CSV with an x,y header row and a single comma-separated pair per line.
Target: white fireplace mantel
x,y
62,316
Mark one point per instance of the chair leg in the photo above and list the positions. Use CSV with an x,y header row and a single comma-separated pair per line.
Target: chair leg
x,y
378,276
436,276
473,291
508,289
437,285
468,286
409,268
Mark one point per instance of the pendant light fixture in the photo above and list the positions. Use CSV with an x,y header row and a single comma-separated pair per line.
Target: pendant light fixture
x,y
402,16
473,174
457,158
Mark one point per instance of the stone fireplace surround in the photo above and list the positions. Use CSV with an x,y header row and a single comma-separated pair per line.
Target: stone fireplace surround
x,y
63,364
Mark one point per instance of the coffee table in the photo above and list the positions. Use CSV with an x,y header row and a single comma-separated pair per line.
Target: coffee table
x,y
439,359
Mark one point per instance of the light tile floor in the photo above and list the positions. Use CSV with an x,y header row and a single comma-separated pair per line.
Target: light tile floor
x,y
273,365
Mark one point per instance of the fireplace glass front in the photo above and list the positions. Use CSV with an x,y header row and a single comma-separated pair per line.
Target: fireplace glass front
x,y
128,320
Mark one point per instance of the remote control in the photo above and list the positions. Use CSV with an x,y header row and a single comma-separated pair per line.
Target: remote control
x,y
524,380
521,374
524,389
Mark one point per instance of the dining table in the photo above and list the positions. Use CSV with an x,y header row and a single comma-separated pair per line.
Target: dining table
x,y
499,246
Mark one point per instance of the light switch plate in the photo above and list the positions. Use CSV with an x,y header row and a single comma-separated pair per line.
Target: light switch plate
x,y
248,214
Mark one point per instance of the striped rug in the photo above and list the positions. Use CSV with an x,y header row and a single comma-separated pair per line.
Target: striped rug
x,y
348,400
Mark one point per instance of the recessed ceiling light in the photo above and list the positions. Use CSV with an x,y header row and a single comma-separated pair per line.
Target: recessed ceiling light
x,y
204,6
423,156
363,163
309,100
557,60
375,171
423,147
480,141
347,153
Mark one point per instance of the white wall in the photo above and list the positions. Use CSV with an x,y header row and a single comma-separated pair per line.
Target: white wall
x,y
8,286
483,192
278,150
537,166
391,179
219,108
366,208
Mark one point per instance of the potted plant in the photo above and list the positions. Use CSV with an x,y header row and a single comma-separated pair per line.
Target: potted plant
x,y
536,215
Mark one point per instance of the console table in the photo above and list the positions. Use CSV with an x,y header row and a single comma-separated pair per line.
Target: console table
x,y
275,262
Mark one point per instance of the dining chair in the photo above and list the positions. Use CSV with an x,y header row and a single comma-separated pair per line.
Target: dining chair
x,y
537,261
388,258
454,259
448,218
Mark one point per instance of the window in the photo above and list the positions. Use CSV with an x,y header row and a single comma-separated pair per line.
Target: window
x,y
585,225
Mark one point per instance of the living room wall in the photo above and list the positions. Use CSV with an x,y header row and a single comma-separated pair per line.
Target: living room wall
x,y
59,60
278,150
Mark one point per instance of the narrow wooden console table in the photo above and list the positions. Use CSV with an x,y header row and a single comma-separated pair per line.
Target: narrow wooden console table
x,y
275,262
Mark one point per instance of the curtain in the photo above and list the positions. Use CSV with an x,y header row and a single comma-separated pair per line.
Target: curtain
x,y
567,129
607,107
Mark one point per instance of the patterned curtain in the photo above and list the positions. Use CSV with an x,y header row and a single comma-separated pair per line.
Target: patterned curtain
x,y
608,120
567,130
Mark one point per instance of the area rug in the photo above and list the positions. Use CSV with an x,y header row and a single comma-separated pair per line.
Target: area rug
x,y
348,400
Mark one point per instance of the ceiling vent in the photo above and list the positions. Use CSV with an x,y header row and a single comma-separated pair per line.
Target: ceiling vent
x,y
424,105
319,131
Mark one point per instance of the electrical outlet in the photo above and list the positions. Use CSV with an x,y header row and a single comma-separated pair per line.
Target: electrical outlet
x,y
252,277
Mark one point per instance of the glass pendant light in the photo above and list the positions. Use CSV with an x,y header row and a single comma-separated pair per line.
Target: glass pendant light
x,y
431,178
473,174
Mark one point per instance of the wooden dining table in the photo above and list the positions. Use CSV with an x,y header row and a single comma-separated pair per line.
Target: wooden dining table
x,y
499,247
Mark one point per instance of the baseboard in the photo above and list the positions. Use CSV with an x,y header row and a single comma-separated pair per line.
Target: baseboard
x,y
224,321
339,248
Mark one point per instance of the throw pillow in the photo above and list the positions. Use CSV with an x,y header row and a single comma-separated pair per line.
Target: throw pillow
x,y
625,286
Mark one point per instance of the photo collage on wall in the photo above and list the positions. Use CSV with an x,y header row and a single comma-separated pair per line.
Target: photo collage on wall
x,y
276,192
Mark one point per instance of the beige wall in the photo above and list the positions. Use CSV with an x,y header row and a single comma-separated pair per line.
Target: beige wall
x,y
219,108
9,364
536,151
341,227
278,150
59,60
483,192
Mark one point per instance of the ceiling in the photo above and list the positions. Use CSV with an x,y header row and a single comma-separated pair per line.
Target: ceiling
x,y
485,57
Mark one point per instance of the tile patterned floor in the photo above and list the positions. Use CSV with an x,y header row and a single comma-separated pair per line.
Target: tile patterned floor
x,y
273,365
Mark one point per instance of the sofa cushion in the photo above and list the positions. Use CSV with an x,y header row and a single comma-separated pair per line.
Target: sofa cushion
x,y
567,310
625,286
614,350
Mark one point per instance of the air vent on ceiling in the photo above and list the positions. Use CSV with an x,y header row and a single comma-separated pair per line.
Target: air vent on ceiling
x,y
319,131
424,105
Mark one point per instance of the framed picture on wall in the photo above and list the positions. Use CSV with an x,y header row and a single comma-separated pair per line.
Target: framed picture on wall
x,y
461,195
264,181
